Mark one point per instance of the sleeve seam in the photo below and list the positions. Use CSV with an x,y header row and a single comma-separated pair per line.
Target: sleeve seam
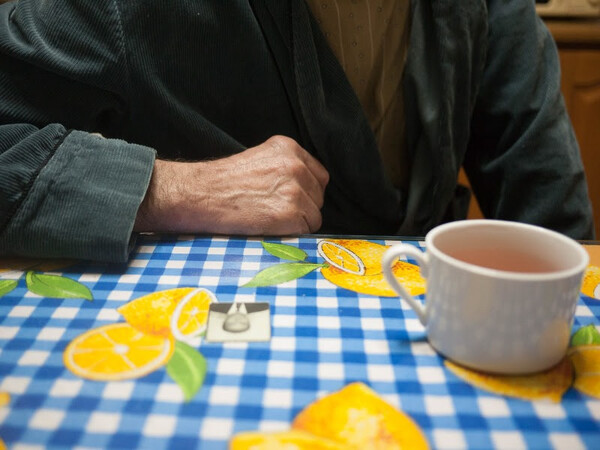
x,y
17,205
122,46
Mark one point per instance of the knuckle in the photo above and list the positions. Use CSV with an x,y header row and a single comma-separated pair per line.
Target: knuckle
x,y
296,168
284,171
293,193
281,142
278,165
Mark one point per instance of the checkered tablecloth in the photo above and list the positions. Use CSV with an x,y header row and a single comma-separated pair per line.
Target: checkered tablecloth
x,y
323,337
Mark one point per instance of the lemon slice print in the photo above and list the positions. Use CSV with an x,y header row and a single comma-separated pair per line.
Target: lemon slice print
x,y
4,398
153,313
591,282
341,257
191,313
357,417
116,352
550,384
371,281
369,253
282,440
586,362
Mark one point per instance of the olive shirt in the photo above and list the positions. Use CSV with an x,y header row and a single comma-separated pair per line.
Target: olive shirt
x,y
198,79
370,40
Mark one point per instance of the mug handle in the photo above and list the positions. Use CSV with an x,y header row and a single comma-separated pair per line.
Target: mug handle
x,y
389,258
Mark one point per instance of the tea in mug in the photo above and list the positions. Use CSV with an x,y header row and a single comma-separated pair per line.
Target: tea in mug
x,y
506,259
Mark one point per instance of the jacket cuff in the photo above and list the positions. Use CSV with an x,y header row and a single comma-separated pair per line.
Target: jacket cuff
x,y
84,202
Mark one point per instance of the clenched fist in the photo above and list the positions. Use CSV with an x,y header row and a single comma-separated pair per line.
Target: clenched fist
x,y
275,188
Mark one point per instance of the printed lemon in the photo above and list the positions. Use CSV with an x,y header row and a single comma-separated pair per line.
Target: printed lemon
x,y
586,362
340,256
358,418
116,352
178,312
286,440
4,398
349,255
550,384
591,281
345,256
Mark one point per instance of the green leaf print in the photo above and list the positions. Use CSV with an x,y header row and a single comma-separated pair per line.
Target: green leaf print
x,y
281,273
55,286
187,367
585,336
284,251
7,286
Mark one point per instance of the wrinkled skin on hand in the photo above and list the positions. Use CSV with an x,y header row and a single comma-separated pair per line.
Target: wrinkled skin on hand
x,y
275,188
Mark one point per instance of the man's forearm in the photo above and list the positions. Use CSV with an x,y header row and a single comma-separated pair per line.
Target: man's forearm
x,y
274,188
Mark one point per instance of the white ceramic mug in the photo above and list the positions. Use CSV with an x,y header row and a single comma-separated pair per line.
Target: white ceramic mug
x,y
501,296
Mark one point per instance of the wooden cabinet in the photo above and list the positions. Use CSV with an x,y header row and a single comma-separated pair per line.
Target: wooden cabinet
x,y
578,42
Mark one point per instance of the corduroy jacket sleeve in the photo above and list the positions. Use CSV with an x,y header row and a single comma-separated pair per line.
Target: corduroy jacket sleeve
x,y
65,193
523,159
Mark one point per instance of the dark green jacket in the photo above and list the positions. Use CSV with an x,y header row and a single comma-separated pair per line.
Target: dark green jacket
x,y
195,79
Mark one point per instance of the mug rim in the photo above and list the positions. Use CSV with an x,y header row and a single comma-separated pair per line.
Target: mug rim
x,y
507,274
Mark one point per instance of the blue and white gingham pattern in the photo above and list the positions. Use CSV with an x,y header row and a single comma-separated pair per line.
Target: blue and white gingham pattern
x,y
323,337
